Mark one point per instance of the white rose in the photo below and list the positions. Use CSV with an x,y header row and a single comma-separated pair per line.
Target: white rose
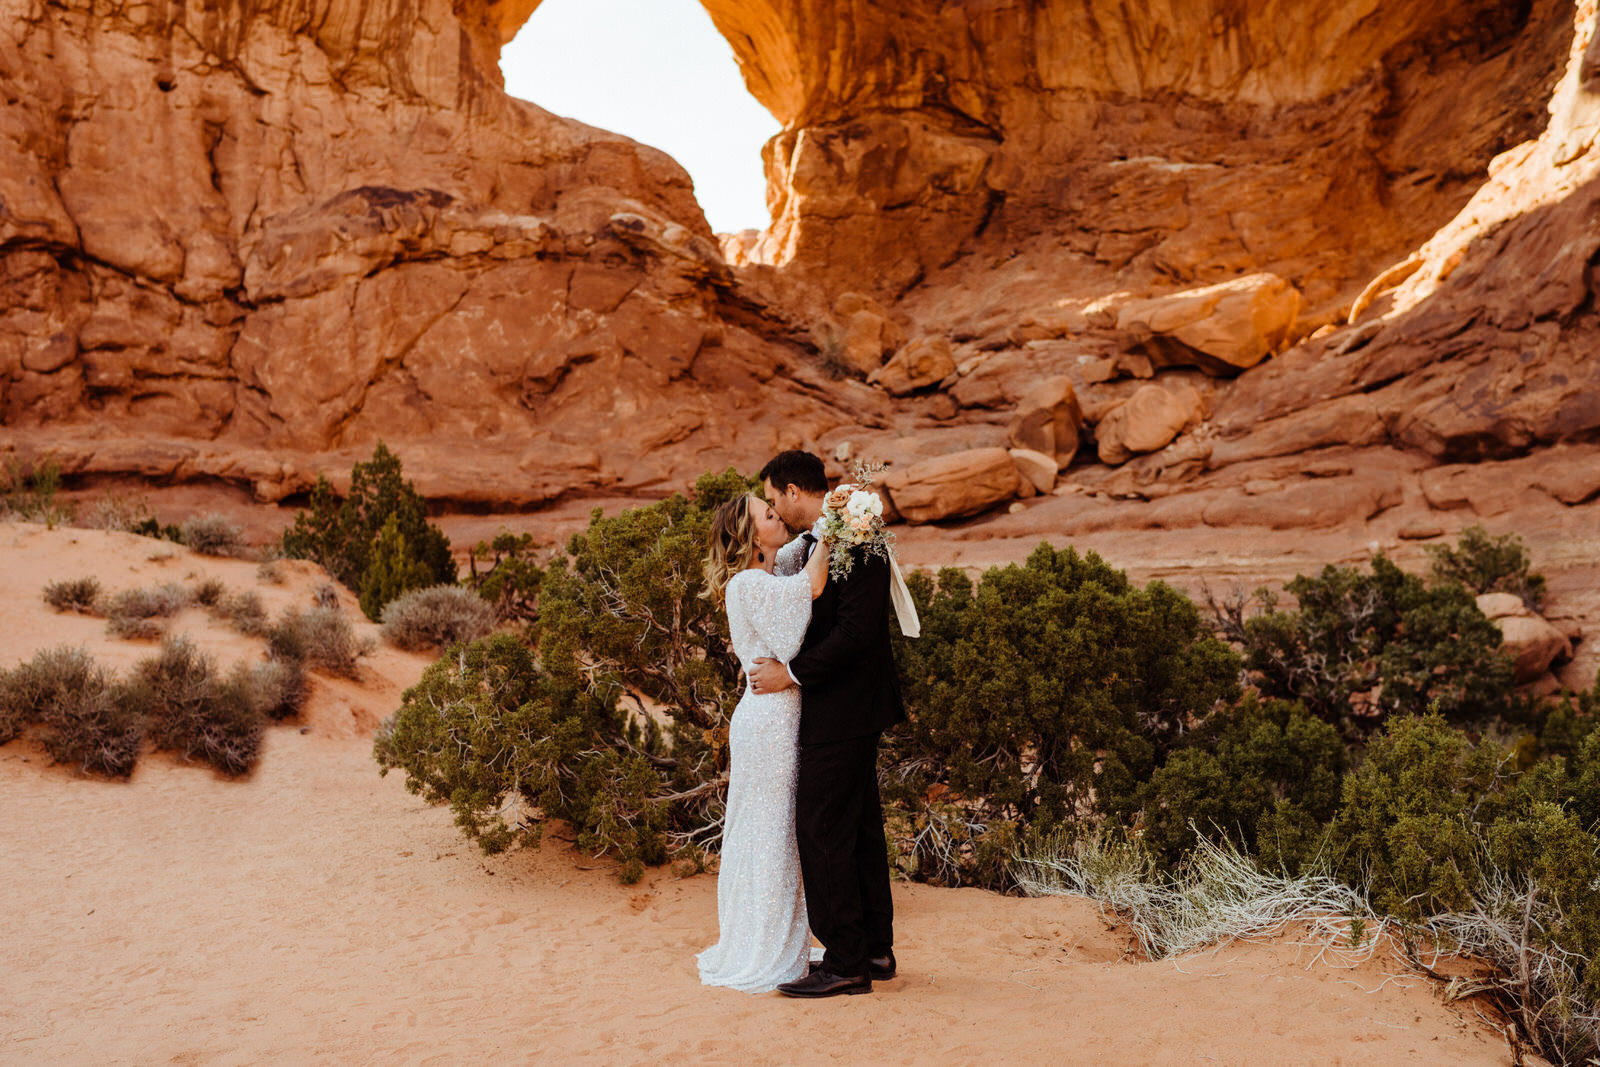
x,y
863,502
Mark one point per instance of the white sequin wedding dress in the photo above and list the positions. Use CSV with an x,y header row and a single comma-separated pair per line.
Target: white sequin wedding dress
x,y
761,908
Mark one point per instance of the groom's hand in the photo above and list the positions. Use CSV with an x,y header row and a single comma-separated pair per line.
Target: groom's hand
x,y
769,676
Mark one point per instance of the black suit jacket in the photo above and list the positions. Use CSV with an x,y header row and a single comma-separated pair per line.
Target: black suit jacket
x,y
845,665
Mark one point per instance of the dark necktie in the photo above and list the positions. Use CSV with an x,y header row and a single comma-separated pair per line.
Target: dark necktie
x,y
810,540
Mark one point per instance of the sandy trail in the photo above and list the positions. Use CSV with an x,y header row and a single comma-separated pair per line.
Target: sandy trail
x,y
317,913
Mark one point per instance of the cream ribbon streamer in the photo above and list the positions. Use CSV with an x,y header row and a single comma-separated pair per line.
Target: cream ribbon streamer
x,y
900,595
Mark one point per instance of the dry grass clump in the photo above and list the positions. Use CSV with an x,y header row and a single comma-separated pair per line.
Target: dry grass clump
x,y
117,511
134,613
195,713
322,639
208,592
1221,896
245,612
74,594
435,617
276,689
212,535
88,721
138,614
1509,925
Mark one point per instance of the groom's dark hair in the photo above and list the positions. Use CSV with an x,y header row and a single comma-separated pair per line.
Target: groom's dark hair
x,y
799,469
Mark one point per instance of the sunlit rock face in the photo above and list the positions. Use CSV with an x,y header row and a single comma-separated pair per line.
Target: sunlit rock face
x,y
287,229
1483,343
245,241
1027,179
1192,141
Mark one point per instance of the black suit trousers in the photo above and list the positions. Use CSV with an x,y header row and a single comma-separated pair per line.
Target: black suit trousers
x,y
844,861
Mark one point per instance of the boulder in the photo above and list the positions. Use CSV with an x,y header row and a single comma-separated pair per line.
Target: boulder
x,y
949,487
1148,420
1222,328
869,333
1571,475
1531,641
1047,421
1036,468
924,362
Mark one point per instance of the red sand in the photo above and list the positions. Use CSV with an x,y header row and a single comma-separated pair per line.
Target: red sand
x,y
316,912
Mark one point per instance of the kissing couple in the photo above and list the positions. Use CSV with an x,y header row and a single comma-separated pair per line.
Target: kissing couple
x,y
803,848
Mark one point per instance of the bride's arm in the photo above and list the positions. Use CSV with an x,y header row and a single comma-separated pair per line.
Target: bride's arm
x,y
817,568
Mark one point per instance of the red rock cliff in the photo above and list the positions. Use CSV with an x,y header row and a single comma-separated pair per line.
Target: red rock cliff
x,y
237,238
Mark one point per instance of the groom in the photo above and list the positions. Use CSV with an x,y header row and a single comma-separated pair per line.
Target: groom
x,y
848,697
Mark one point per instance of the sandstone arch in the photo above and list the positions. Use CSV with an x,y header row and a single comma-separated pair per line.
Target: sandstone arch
x,y
236,238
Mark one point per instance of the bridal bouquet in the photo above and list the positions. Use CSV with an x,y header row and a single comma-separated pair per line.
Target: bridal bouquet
x,y
852,517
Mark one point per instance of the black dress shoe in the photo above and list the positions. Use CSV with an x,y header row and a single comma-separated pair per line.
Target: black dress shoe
x,y
883,967
824,983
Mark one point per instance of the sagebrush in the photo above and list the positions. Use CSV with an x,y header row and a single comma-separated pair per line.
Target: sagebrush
x,y
435,617
74,594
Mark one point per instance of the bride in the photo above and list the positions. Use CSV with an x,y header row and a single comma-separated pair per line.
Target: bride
x,y
761,909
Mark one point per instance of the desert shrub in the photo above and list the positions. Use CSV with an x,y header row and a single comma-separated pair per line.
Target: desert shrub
x,y
393,571
73,594
622,621
212,535
151,527
28,490
209,592
245,612
133,613
613,728
510,579
627,600
195,713
88,721
343,535
509,747
16,712
1361,647
1582,789
118,511
435,617
1041,696
321,638
269,571
1485,564
1570,720
1263,773
276,689
1407,820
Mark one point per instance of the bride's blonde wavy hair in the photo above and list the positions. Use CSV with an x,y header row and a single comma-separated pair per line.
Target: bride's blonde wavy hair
x,y
731,545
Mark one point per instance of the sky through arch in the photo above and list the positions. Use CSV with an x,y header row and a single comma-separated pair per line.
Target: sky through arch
x,y
656,71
